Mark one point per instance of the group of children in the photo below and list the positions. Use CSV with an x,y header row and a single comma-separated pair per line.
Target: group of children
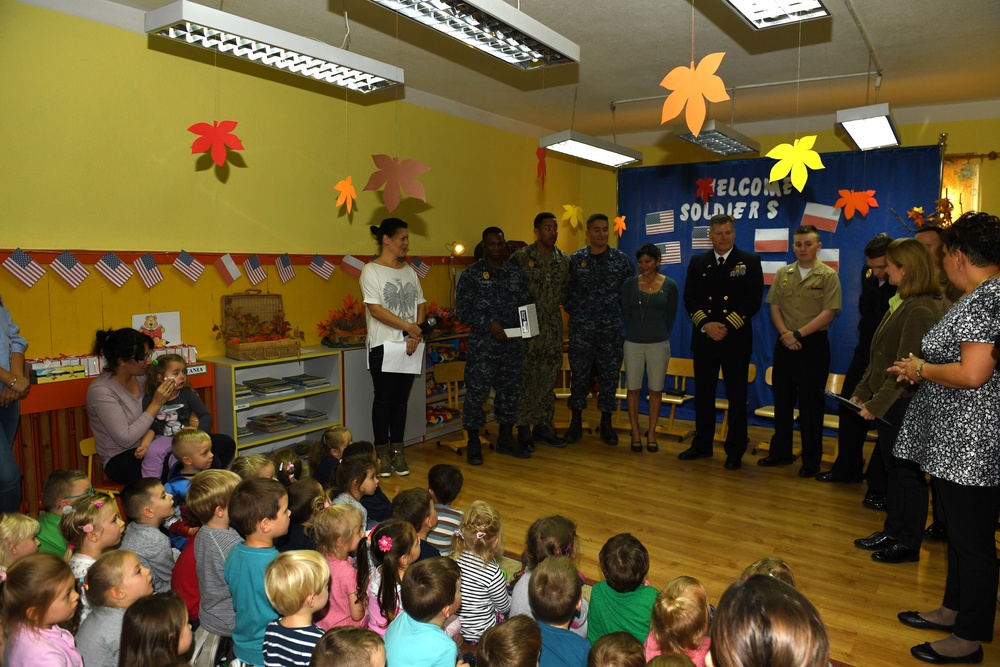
x,y
277,569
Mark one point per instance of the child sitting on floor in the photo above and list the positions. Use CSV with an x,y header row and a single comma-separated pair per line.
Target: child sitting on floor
x,y
617,649
378,505
60,488
287,466
18,538
416,507
515,643
622,601
297,585
680,621
444,483
193,450
90,526
339,531
555,592
357,477
476,544
148,504
325,455
349,646
393,548
416,637
302,497
253,466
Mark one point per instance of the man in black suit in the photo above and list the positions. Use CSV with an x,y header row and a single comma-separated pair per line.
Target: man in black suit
x,y
722,292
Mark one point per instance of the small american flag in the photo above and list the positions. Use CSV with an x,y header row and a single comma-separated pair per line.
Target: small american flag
x,y
114,269
285,270
351,265
421,267
671,252
255,272
660,222
24,268
189,266
699,238
70,268
149,272
322,267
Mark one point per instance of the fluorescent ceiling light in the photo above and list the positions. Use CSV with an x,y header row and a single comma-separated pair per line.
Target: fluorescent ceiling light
x,y
211,29
590,148
492,26
869,127
762,14
719,138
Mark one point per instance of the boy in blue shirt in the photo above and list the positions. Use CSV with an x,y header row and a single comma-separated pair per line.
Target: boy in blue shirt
x,y
431,593
555,591
258,510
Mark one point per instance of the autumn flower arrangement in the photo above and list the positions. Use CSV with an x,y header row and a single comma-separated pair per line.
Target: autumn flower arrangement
x,y
447,320
941,217
344,326
243,327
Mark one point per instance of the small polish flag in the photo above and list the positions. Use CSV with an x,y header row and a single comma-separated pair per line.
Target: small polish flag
x,y
421,267
770,240
322,267
770,269
821,216
255,272
228,269
670,251
352,266
285,270
830,257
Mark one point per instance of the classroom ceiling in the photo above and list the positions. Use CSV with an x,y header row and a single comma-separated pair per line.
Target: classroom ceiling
x,y
932,52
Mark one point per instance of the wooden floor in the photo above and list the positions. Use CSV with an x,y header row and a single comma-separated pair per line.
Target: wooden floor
x,y
698,519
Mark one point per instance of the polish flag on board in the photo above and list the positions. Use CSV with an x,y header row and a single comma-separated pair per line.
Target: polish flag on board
x,y
228,269
352,266
770,240
770,269
830,257
821,216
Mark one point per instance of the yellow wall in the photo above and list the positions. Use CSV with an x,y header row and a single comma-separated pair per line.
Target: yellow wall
x,y
97,153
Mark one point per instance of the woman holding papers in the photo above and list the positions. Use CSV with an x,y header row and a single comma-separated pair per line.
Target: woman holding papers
x,y
912,311
395,310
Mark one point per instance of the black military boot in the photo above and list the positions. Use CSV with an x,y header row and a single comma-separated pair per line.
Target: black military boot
x,y
524,438
575,430
543,433
608,435
474,452
507,443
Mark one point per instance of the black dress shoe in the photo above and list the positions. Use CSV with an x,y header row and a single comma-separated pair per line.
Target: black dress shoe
x,y
770,462
691,454
897,553
875,541
936,532
542,433
927,654
915,620
831,476
806,471
874,501
733,463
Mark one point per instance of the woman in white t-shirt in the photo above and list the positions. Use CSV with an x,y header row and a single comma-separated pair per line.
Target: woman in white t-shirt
x,y
395,309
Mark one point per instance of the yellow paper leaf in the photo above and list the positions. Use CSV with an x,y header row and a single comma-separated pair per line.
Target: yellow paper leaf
x,y
573,214
692,86
620,225
796,159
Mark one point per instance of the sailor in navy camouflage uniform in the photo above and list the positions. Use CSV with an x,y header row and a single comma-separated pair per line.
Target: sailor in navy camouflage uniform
x,y
487,298
596,326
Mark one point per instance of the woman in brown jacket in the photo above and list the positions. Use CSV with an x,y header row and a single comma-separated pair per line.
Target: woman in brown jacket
x,y
914,310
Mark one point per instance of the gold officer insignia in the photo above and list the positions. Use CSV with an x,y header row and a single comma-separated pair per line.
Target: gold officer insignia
x,y
486,275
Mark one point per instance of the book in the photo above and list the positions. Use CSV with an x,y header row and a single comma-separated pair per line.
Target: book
x,y
305,380
306,416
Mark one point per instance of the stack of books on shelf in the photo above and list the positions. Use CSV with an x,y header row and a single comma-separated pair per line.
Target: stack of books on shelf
x,y
268,386
270,423
305,416
306,381
243,391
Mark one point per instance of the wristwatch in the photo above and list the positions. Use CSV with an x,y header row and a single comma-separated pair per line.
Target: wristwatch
x,y
797,335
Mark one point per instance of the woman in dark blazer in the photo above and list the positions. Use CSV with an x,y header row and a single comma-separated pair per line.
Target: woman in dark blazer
x,y
914,310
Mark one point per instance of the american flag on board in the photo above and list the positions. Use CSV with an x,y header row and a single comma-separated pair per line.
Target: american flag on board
x,y
421,267
659,222
255,272
114,269
149,272
189,266
699,238
285,270
228,269
671,252
322,267
24,268
70,268
351,265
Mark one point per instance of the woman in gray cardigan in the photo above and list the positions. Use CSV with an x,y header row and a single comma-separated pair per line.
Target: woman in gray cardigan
x,y
912,311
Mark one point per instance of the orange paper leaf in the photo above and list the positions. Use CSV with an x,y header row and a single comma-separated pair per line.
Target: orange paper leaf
x,y
620,225
396,176
540,153
215,137
347,193
851,200
692,86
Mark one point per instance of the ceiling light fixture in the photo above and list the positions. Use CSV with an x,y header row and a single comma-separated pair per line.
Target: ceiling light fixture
x,y
719,138
213,30
869,127
761,14
493,27
590,148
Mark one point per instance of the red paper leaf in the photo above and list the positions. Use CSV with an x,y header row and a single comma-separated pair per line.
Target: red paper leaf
x,y
540,153
706,189
851,200
396,176
215,137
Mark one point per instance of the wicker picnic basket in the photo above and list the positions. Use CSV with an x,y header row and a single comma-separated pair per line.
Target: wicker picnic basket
x,y
265,307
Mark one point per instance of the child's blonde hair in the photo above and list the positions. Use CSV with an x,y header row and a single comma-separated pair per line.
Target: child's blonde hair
x,y
14,528
771,567
32,585
680,615
157,368
671,660
333,439
617,649
250,465
186,441
210,489
81,518
292,577
287,466
346,646
333,523
106,573
480,533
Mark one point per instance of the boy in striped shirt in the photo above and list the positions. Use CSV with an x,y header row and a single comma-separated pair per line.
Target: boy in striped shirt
x,y
297,584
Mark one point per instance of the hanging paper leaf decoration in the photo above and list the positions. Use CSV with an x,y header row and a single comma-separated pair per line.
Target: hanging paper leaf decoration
x,y
347,193
540,153
851,200
796,159
573,214
620,225
396,176
215,137
692,86
706,189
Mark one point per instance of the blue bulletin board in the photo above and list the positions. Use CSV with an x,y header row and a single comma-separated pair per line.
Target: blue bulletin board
x,y
671,205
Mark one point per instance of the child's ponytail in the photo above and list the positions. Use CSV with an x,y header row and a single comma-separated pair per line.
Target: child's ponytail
x,y
390,542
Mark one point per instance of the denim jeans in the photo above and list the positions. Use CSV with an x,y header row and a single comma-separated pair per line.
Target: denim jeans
x,y
10,474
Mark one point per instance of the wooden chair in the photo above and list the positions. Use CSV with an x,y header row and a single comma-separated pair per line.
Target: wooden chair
x,y
834,383
681,370
88,450
450,374
723,404
564,387
621,395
